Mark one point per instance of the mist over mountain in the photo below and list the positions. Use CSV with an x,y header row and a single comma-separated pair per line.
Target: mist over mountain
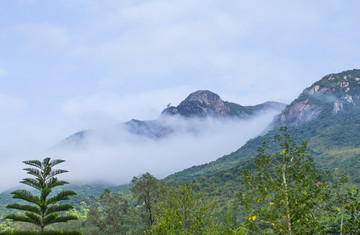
x,y
201,104
209,128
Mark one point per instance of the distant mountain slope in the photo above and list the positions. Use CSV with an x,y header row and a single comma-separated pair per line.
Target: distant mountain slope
x,y
327,115
200,104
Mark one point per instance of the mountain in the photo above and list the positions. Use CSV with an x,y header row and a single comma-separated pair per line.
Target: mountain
x,y
332,94
198,105
326,115
205,103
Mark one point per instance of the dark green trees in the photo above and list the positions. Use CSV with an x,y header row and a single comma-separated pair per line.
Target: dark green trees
x,y
148,190
346,207
112,214
41,209
285,192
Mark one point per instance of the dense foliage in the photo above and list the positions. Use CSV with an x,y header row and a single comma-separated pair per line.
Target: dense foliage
x,y
148,191
112,214
53,232
285,192
184,212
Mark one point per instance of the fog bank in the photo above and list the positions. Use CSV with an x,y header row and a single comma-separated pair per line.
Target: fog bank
x,y
196,141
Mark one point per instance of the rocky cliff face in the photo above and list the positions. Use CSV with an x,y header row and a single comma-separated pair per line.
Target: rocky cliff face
x,y
204,103
332,94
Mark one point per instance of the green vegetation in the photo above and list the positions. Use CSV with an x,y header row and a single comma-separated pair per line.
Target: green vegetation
x,y
42,210
54,232
184,212
285,193
112,214
149,191
346,207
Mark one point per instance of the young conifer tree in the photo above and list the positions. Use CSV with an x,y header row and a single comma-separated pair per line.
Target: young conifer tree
x,y
41,209
285,193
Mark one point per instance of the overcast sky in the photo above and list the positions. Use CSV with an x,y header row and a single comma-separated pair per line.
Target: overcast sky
x,y
75,64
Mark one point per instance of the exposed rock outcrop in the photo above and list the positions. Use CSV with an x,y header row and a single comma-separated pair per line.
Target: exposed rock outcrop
x,y
332,94
301,112
338,107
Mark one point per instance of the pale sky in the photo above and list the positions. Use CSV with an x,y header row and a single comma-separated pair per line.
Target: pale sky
x,y
76,64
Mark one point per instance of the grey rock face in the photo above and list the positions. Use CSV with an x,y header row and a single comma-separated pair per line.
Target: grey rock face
x,y
205,103
300,112
331,95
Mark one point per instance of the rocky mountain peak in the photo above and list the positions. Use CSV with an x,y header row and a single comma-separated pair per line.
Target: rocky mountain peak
x,y
332,94
208,101
203,103
204,96
200,103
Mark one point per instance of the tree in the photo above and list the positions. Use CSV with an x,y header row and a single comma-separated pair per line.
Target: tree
x,y
285,193
350,207
148,190
347,206
184,212
42,210
112,214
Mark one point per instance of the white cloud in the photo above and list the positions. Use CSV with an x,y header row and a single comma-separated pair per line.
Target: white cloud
x,y
26,137
164,37
110,82
234,43
45,35
202,39
12,104
100,109
118,161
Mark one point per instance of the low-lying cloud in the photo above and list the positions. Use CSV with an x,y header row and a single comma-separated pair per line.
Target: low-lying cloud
x,y
113,155
117,159
11,104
